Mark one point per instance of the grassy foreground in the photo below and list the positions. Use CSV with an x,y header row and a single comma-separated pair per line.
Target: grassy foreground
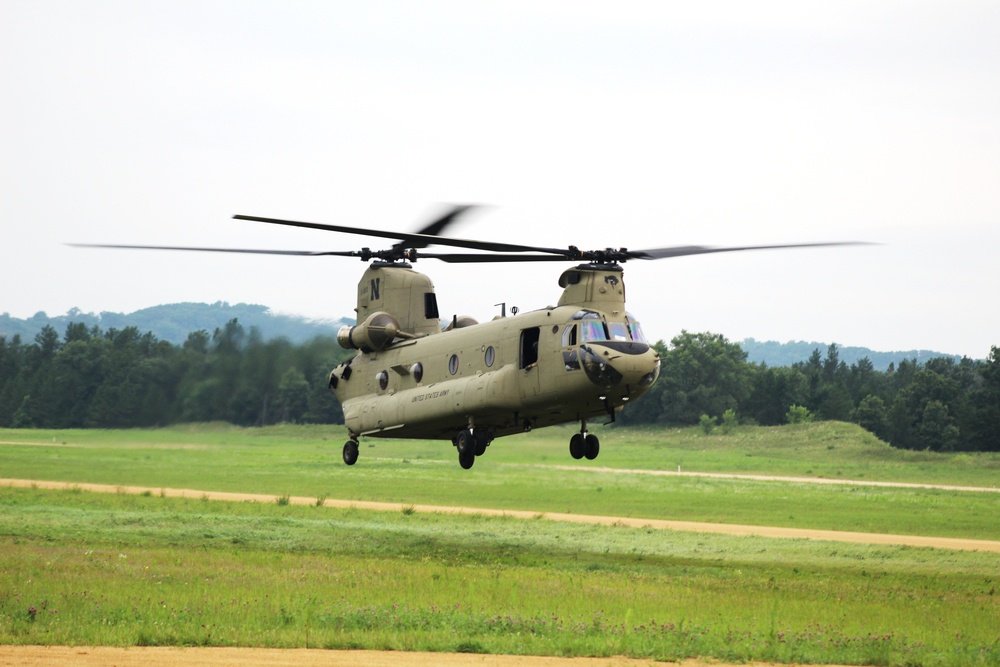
x,y
80,568
85,568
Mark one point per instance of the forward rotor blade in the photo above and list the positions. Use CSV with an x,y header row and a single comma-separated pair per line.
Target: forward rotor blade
x,y
316,253
470,258
684,251
410,240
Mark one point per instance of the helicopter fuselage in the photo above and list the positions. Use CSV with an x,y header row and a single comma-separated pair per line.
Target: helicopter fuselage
x,y
582,359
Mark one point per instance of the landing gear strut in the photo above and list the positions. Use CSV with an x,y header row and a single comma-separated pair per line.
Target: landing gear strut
x,y
584,444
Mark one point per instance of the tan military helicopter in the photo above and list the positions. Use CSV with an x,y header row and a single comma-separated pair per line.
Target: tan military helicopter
x,y
468,382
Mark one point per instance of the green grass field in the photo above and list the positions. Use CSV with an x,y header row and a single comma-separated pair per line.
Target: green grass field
x,y
81,568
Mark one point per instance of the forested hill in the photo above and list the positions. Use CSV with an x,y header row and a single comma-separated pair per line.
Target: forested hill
x,y
785,354
173,322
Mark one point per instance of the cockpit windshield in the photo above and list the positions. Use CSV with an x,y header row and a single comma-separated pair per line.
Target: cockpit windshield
x,y
635,331
591,326
619,331
594,328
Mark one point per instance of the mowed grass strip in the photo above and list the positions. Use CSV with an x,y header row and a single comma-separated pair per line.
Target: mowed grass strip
x,y
536,474
834,450
82,568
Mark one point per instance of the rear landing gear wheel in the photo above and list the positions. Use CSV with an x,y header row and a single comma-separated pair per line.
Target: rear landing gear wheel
x,y
483,440
351,452
576,446
591,446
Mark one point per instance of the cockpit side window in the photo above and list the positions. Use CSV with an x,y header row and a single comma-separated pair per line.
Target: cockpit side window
x,y
569,335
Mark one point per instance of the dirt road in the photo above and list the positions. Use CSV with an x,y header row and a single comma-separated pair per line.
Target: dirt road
x,y
961,544
85,656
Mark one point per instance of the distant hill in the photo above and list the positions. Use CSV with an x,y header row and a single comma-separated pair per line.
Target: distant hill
x,y
175,321
785,354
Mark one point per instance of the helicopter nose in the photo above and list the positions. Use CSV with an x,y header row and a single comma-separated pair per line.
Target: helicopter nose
x,y
613,363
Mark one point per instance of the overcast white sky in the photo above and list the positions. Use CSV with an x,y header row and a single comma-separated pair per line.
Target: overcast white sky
x,y
635,124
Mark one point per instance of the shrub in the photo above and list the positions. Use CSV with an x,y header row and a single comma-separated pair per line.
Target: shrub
x,y
707,424
729,421
798,414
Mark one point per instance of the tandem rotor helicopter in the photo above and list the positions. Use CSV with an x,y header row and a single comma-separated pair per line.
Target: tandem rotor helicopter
x,y
469,382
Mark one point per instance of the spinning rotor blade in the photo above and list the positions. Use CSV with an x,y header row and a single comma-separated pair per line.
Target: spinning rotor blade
x,y
485,259
621,255
238,250
409,246
439,224
684,251
410,240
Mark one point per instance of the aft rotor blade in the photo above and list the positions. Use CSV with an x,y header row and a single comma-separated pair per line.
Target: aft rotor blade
x,y
684,251
253,251
410,240
439,224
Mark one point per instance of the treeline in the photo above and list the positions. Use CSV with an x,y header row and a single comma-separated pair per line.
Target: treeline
x,y
941,404
123,378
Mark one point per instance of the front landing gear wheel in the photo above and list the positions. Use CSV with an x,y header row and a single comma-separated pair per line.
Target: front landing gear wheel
x,y
465,441
351,452
591,446
467,459
576,446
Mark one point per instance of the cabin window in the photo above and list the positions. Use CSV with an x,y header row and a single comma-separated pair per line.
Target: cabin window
x,y
430,306
529,346
490,356
453,364
417,370
383,380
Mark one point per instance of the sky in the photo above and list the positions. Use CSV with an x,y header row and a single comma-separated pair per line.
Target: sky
x,y
627,124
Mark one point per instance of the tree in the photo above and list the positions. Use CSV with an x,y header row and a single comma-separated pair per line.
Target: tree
x,y
937,430
871,416
772,391
702,373
293,396
983,422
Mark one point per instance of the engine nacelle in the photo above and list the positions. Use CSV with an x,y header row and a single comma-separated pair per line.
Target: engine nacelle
x,y
375,333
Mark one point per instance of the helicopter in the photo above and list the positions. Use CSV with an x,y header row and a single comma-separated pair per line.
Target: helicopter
x,y
471,382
